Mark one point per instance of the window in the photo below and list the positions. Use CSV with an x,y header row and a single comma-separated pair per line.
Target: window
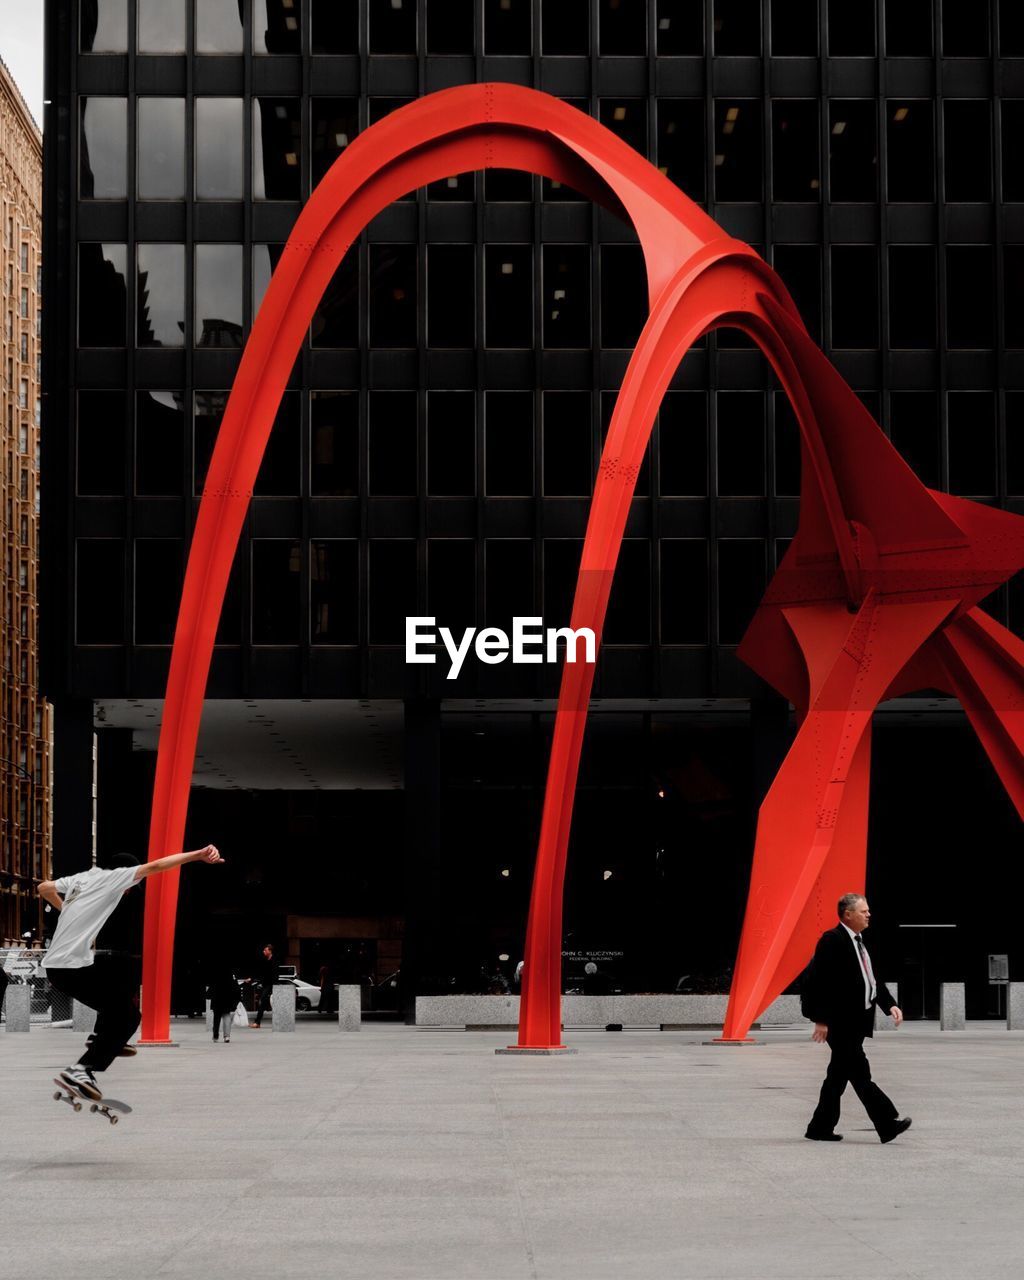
x,y
908,28
741,583
1011,29
683,444
508,443
100,442
912,319
508,564
450,26
24,258
334,591
392,443
854,295
102,295
561,567
914,430
911,151
787,447
451,295
24,304
683,566
392,26
161,26
508,295
795,28
737,28
265,258
741,439
275,26
104,26
275,591
971,432
279,471
1013,290
680,28
24,348
277,144
336,319
1015,443
158,578
507,27
795,170
965,28
99,591
799,265
334,26
567,430
392,589
160,295
565,28
219,149
218,295
566,295
970,296
218,26
208,413
451,444
738,150
159,443
392,295
623,295
681,144
853,150
629,605
334,443
451,582
1011,171
334,122
967,128
160,173
627,118
103,149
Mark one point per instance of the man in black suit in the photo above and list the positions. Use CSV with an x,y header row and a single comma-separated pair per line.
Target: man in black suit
x,y
839,996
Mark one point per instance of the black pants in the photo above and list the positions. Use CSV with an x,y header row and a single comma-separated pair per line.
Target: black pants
x,y
107,986
264,1004
850,1065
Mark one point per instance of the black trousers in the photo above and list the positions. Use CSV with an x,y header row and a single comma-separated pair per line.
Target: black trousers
x,y
107,985
849,1065
264,1005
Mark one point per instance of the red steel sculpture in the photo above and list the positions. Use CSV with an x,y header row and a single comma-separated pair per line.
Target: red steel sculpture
x,y
877,595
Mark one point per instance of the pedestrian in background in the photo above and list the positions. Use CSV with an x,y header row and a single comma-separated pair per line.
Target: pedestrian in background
x,y
225,993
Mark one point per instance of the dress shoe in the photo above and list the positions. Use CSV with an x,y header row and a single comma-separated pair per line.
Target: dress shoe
x,y
823,1137
898,1126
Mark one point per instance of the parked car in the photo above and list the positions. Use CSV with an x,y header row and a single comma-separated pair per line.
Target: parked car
x,y
306,995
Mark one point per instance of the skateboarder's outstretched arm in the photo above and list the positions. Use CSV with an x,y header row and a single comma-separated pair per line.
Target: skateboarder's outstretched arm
x,y
207,854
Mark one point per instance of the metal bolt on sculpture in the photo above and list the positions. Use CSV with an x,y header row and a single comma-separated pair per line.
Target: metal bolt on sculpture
x,y
876,597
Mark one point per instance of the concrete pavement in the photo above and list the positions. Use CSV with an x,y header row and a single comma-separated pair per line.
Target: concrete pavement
x,y
400,1153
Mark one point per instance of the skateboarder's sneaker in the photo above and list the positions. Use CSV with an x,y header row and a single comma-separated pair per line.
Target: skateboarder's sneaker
x,y
83,1081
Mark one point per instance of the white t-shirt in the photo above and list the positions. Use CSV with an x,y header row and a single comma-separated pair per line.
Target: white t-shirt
x,y
89,900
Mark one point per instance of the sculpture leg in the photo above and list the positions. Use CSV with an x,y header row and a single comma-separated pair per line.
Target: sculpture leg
x,y
851,661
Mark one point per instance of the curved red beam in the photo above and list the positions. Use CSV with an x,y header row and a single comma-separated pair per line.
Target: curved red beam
x,y
698,279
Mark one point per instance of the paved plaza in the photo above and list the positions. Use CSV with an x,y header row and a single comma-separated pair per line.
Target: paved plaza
x,y
395,1152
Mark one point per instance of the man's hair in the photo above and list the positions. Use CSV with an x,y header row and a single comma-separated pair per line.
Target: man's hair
x,y
268,946
115,860
848,901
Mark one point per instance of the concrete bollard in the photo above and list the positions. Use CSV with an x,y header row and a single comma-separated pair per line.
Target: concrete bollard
x,y
350,1016
1015,1006
283,1007
82,1017
882,1020
952,1015
209,1015
18,1006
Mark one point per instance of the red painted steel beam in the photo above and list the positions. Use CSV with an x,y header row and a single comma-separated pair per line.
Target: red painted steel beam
x,y
879,564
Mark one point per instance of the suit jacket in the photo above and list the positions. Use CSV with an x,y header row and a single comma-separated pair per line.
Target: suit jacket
x,y
832,989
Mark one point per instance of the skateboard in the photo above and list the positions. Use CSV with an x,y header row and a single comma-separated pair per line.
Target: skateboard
x,y
109,1107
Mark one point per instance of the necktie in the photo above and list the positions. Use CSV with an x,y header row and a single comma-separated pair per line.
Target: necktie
x,y
866,966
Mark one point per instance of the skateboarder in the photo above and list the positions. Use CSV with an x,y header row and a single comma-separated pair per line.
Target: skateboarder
x,y
85,901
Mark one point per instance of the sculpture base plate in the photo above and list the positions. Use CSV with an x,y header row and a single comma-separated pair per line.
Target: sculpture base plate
x,y
156,1044
721,1040
548,1052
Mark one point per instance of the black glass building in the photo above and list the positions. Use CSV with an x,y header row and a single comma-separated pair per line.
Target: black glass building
x,y
436,449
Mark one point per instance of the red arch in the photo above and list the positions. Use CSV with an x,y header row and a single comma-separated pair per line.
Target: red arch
x,y
698,279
